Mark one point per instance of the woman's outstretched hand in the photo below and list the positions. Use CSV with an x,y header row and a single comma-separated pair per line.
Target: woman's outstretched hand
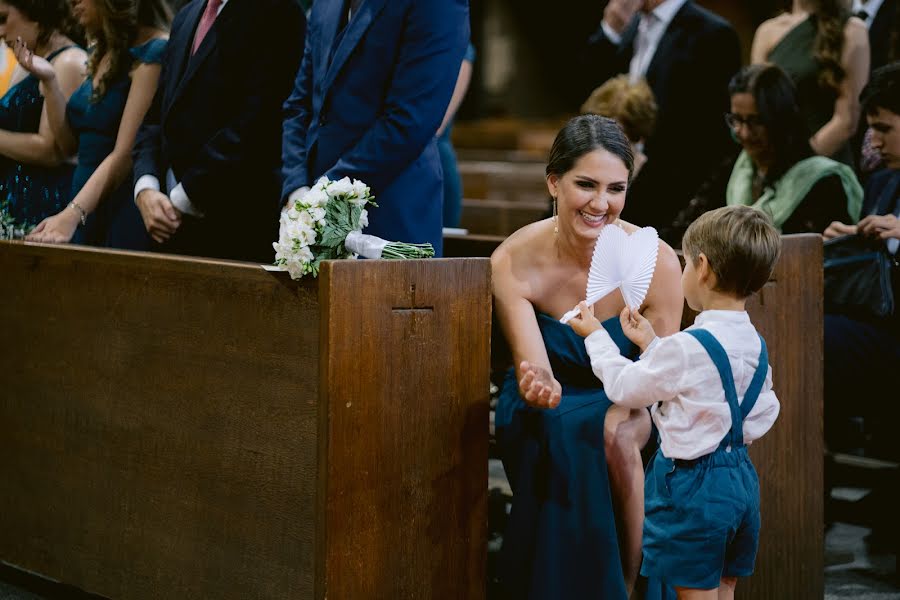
x,y
636,328
57,229
538,387
37,66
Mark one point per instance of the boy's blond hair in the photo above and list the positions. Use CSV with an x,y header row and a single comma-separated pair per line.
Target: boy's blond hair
x,y
741,245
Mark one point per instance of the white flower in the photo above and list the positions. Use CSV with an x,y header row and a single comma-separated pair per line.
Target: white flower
x,y
342,187
292,213
317,213
364,219
306,218
361,190
316,197
321,184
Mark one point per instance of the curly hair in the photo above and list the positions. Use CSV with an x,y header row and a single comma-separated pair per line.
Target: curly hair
x,y
50,16
631,104
830,17
114,36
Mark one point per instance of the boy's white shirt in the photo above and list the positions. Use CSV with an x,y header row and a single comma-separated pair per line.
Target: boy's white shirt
x,y
692,415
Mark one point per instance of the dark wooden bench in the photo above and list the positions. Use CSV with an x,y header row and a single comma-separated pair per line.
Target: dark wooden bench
x,y
178,428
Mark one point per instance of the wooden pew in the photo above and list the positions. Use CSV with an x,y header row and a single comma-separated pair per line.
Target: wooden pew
x,y
178,428
500,197
788,313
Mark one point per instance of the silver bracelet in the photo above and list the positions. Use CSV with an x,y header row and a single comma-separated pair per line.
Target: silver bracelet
x,y
77,207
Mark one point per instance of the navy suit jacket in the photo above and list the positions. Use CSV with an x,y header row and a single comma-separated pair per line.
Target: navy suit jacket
x,y
689,74
216,122
367,102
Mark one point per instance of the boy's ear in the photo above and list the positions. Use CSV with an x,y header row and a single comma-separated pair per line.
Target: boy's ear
x,y
705,274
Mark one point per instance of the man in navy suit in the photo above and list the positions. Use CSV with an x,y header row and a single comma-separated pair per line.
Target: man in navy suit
x,y
687,55
374,84
207,160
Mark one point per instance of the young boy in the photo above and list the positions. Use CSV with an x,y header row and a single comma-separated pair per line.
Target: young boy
x,y
711,391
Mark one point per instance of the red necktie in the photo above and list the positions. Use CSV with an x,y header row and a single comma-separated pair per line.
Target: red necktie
x,y
206,22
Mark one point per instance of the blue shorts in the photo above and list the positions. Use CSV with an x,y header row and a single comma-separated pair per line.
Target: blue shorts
x,y
701,519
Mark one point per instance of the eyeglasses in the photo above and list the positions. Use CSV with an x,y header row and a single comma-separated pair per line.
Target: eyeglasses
x,y
734,121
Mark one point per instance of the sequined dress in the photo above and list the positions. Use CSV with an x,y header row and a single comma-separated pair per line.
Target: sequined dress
x,y
30,193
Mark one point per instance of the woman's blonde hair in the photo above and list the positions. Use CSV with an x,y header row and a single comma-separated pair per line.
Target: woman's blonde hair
x,y
632,105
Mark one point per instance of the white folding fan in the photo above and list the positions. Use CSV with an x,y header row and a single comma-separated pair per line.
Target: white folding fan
x,y
621,261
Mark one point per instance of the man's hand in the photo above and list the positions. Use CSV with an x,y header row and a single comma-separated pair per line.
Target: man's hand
x,y
837,229
636,328
161,218
884,227
618,13
538,387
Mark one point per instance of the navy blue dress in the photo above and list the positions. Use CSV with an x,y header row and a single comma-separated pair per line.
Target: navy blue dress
x,y
30,193
561,538
116,222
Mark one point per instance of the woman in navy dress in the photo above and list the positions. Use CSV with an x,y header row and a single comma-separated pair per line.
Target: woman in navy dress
x,y
35,178
101,119
572,459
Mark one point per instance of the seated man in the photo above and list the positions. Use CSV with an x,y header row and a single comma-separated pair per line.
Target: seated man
x,y
861,357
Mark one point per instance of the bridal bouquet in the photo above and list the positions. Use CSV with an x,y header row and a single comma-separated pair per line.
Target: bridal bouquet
x,y
326,223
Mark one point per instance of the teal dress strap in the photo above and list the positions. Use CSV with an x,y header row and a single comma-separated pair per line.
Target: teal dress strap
x,y
150,52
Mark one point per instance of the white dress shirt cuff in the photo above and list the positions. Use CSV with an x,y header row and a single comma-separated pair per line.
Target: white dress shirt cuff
x,y
146,182
181,201
650,346
610,33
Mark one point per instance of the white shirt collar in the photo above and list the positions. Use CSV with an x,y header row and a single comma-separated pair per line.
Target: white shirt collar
x,y
871,7
722,316
666,11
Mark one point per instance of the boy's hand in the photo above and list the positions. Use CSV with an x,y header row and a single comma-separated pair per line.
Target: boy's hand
x,y
538,387
636,328
585,323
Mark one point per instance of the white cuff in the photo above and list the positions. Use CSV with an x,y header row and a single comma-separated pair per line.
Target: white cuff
x,y
146,182
181,201
610,33
650,346
298,193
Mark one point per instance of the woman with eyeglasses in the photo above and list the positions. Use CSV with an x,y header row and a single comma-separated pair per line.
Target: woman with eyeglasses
x,y
778,172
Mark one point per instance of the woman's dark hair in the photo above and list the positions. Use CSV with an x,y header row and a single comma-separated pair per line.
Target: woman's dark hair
x,y
582,135
883,90
776,104
50,15
830,17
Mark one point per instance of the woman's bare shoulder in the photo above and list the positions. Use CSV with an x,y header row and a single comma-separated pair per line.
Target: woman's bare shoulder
x,y
517,260
523,242
770,32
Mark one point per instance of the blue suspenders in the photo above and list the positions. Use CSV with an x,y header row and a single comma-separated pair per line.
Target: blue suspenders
x,y
735,437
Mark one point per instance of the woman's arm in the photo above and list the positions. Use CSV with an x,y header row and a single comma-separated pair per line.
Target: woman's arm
x,y
42,148
520,328
762,43
845,120
459,93
665,299
115,168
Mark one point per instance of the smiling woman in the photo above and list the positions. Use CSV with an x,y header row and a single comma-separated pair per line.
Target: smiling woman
x,y
572,460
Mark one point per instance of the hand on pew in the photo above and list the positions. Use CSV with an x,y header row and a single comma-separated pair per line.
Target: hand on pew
x,y
538,386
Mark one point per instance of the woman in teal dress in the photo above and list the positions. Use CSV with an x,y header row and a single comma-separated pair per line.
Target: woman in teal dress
x,y
35,177
826,53
572,459
101,119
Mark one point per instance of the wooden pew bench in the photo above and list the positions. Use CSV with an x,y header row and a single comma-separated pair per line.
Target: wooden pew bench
x,y
501,197
788,313
178,428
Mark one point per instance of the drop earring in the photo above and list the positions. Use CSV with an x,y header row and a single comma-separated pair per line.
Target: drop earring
x,y
555,218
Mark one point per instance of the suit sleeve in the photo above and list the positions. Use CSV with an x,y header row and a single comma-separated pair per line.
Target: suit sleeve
x,y
147,145
603,59
435,39
266,84
297,115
